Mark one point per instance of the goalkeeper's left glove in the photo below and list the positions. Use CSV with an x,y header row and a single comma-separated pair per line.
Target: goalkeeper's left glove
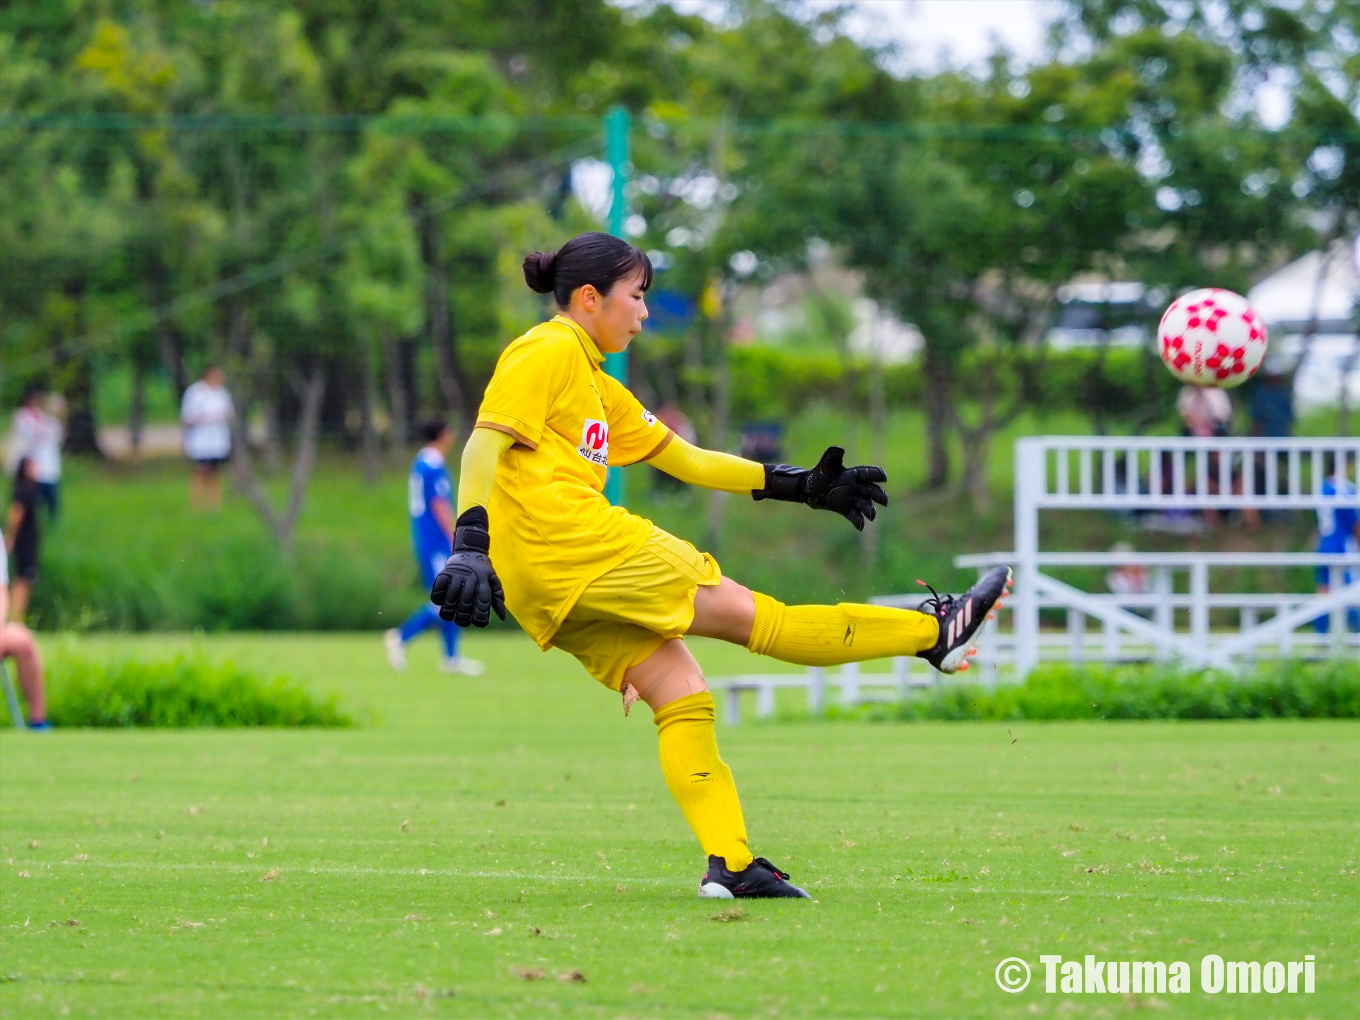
x,y
850,492
467,589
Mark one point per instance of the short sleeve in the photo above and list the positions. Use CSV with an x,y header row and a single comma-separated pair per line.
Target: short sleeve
x,y
526,381
634,432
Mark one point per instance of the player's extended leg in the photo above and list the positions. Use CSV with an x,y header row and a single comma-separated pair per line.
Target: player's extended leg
x,y
848,632
672,684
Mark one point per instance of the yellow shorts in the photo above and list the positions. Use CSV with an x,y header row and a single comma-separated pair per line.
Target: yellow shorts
x,y
626,615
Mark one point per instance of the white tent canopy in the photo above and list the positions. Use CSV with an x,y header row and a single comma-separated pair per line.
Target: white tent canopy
x,y
1310,309
1325,287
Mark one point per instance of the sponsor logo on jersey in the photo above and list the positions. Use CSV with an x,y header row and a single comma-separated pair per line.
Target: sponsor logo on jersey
x,y
594,445
648,417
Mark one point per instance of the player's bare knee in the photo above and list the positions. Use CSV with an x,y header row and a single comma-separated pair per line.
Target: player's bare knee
x,y
667,674
725,611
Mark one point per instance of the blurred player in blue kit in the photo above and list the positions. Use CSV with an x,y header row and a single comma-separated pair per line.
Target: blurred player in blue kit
x,y
429,501
1338,532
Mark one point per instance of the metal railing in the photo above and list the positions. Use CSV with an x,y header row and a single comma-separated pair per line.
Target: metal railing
x,y
1182,619
1224,629
1146,473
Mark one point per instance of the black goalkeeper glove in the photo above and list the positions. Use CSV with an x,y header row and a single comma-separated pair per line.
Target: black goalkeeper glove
x,y
467,589
851,492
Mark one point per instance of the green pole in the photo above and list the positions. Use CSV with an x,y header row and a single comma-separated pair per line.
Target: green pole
x,y
616,127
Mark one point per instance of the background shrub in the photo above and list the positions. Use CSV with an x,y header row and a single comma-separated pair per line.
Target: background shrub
x,y
185,691
1284,689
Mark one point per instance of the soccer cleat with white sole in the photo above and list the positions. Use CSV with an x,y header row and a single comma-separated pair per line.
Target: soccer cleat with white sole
x,y
462,664
760,880
961,616
396,650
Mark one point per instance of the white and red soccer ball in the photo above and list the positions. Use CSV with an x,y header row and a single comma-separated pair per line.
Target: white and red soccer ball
x,y
1211,337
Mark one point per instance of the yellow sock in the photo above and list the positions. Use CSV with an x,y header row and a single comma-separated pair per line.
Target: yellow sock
x,y
832,635
699,780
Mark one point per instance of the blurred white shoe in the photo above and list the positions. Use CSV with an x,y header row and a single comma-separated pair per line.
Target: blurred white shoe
x,y
396,650
462,664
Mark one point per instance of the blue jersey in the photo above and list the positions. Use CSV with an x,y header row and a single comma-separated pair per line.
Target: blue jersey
x,y
429,480
1336,524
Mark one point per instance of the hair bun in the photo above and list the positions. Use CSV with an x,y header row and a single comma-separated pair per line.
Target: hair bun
x,y
540,269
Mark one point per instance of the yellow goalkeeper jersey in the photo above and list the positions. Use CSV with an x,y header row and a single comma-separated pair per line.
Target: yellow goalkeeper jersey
x,y
552,530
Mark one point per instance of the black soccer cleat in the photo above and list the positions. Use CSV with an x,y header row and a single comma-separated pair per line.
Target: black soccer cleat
x,y
761,879
960,617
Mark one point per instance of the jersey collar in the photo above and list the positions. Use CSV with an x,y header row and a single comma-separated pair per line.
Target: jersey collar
x,y
587,344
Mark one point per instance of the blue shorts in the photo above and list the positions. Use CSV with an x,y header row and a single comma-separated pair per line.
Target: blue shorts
x,y
431,562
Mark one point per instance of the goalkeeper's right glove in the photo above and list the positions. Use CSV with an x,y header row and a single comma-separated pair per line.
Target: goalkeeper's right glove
x,y
467,589
850,492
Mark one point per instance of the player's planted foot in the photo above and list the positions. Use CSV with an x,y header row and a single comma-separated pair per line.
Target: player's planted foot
x,y
960,617
396,650
462,664
761,879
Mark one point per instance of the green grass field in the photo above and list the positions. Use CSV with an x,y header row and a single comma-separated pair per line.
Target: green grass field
x,y
476,843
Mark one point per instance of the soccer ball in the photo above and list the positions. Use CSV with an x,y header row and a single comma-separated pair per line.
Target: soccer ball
x,y
1212,337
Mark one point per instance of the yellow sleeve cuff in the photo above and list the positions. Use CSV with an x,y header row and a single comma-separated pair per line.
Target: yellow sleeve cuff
x,y
483,452
708,468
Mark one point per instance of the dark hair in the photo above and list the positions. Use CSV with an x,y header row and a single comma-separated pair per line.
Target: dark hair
x,y
30,391
432,428
601,260
19,470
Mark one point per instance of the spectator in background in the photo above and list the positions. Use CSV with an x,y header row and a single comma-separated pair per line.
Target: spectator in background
x,y
207,414
17,643
1127,578
1205,411
22,536
1270,401
37,434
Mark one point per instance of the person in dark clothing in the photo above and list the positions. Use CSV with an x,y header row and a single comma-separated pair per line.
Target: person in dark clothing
x,y
22,537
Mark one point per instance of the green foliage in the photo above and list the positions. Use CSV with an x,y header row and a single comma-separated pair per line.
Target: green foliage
x,y
1277,690
1115,385
237,582
184,691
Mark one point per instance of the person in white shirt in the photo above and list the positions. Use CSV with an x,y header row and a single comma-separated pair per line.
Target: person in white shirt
x,y
37,435
207,414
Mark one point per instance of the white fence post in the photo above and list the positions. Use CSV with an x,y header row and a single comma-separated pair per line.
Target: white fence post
x,y
816,689
732,706
1031,471
1336,578
765,701
1076,636
1199,605
850,685
1248,621
902,673
1164,614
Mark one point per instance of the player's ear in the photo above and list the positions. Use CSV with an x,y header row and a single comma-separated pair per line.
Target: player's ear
x,y
590,297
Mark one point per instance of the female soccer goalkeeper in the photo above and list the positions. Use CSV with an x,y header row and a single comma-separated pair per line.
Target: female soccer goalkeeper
x,y
619,593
